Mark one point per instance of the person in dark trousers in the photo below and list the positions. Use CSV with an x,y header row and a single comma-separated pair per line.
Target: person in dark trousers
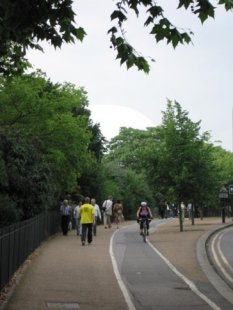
x,y
65,211
87,215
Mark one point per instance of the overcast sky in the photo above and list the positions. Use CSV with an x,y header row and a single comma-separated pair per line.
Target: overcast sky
x,y
198,76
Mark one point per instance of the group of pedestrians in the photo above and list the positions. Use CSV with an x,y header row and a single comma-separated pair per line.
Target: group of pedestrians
x,y
77,216
115,210
87,213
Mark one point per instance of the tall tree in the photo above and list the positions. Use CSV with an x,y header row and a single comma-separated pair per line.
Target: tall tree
x,y
44,146
184,169
128,152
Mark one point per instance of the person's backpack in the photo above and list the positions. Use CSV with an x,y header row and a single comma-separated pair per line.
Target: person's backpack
x,y
104,206
144,212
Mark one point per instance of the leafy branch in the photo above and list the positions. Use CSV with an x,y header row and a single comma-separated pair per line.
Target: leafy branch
x,y
24,23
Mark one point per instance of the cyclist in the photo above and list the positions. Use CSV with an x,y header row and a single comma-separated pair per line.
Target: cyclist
x,y
144,213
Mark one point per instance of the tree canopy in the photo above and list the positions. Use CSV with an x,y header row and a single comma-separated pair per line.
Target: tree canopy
x,y
185,167
175,160
47,143
50,148
25,23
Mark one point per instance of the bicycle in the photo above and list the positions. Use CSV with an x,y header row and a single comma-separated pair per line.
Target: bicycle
x,y
144,227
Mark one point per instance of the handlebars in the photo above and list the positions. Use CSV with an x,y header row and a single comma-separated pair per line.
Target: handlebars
x,y
140,219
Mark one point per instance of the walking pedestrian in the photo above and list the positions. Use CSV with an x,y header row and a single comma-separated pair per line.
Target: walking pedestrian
x,y
65,211
87,215
98,216
167,211
78,225
118,212
107,212
162,209
190,210
182,210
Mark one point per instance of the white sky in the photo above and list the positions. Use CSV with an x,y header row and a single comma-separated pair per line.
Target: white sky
x,y
198,76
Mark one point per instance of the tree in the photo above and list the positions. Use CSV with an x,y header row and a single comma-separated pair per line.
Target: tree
x,y
128,153
175,160
24,23
126,185
224,164
97,144
160,26
43,143
131,146
184,170
223,161
91,180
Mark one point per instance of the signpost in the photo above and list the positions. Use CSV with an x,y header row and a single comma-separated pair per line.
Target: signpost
x,y
230,189
223,195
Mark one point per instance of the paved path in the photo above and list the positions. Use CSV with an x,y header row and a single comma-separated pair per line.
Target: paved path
x,y
63,274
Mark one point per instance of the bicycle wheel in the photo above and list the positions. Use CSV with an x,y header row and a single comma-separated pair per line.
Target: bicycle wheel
x,y
144,231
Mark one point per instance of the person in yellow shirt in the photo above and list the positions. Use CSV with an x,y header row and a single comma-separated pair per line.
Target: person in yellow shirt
x,y
87,218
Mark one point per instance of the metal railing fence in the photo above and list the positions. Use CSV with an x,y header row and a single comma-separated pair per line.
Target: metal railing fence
x,y
19,240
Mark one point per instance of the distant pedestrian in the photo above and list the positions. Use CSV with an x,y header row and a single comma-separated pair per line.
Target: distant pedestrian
x,y
76,214
167,211
65,211
98,216
118,212
162,209
190,210
87,214
182,209
174,210
107,212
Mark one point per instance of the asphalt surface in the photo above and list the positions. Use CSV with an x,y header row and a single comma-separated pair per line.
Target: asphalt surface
x,y
219,250
63,274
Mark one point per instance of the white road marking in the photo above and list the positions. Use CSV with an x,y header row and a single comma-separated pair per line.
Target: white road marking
x,y
223,256
118,276
218,262
191,285
125,292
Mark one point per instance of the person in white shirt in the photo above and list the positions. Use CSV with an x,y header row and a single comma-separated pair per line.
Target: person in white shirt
x,y
107,210
98,215
190,210
182,209
77,219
